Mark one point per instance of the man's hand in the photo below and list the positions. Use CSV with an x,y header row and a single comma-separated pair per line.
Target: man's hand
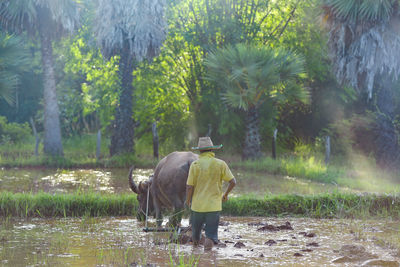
x,y
187,205
231,185
189,194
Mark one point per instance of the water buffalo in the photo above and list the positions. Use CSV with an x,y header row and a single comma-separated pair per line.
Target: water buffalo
x,y
167,187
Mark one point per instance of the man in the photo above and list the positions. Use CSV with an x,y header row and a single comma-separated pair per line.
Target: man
x,y
204,191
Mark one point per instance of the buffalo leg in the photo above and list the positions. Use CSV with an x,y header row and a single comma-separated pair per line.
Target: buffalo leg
x,y
175,220
157,208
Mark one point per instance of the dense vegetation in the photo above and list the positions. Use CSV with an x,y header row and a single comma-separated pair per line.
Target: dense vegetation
x,y
236,70
318,206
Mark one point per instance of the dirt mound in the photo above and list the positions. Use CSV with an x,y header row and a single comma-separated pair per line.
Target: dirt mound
x,y
239,245
312,244
270,242
273,228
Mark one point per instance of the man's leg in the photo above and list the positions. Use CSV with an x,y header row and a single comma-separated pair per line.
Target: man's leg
x,y
197,223
212,221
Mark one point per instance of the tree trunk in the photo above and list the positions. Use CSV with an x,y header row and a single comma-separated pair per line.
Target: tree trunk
x,y
123,127
52,144
155,139
252,142
36,136
98,145
327,149
387,143
274,144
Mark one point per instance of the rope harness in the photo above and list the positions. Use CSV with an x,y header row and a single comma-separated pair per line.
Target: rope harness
x,y
147,206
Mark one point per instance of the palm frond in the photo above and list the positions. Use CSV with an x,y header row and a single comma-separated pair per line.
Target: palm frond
x,y
23,15
353,10
345,9
13,58
18,16
8,83
290,64
376,9
139,24
245,73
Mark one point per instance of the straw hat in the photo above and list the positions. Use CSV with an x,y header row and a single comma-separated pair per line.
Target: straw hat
x,y
205,143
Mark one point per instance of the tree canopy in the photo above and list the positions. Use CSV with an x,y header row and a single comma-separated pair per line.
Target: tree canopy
x,y
236,70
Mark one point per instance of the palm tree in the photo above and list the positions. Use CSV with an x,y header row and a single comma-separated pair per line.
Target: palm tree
x,y
13,57
364,40
48,20
249,76
133,30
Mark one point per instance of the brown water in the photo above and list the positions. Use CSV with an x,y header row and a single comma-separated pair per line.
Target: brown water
x,y
115,181
121,242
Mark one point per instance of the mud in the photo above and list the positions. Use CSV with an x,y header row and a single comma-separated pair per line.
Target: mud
x,y
122,242
273,228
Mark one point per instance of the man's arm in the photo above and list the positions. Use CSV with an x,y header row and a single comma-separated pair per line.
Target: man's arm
x,y
189,194
231,185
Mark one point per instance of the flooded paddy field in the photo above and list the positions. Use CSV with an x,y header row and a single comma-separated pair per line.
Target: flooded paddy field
x,y
116,181
253,241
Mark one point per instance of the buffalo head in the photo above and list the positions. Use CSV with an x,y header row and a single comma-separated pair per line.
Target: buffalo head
x,y
141,190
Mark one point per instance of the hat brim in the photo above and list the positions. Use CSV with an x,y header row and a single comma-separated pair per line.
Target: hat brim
x,y
207,147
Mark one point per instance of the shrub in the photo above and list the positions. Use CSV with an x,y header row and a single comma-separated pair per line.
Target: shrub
x,y
11,132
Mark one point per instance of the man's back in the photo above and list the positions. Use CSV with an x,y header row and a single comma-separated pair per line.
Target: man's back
x,y
207,175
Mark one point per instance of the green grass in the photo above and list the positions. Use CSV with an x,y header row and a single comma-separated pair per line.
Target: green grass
x,y
79,152
336,205
360,173
65,205
299,167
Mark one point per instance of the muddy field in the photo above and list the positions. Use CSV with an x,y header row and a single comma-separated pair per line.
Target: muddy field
x,y
243,241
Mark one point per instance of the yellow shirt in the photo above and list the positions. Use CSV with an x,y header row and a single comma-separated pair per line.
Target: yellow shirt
x,y
206,176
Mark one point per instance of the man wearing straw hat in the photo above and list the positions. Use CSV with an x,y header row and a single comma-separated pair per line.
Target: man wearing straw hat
x,y
204,191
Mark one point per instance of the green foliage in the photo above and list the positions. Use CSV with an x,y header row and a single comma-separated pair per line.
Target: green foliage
x,y
249,75
353,10
89,88
160,98
353,134
13,59
197,27
312,169
300,167
12,133
172,91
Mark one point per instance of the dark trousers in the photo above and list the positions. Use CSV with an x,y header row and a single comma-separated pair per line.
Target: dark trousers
x,y
211,221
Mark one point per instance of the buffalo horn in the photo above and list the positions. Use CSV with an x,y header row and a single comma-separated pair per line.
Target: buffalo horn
x,y
131,182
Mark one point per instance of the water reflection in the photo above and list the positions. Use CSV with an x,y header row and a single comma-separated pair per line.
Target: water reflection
x,y
115,181
120,242
64,181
